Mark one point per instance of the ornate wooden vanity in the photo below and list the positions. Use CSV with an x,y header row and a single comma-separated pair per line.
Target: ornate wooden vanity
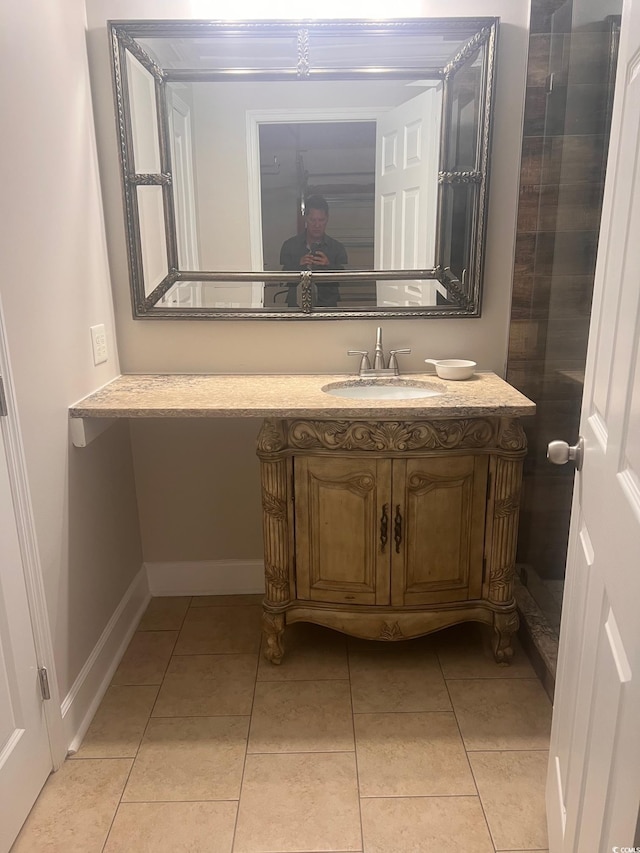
x,y
384,519
389,530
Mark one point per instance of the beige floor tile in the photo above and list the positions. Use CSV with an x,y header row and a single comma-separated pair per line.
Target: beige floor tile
x,y
173,828
165,613
75,809
193,758
512,790
301,716
225,600
397,681
119,723
501,713
411,755
311,653
465,652
299,802
207,685
146,658
220,630
424,825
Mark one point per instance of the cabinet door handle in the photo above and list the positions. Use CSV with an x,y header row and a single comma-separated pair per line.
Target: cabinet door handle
x,y
384,526
398,528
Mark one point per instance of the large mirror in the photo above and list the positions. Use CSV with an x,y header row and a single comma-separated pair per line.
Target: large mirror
x,y
305,170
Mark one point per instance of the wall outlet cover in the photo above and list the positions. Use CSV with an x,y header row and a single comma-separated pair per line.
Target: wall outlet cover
x,y
99,344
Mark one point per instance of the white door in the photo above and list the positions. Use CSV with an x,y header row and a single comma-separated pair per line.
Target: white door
x,y
407,145
184,181
593,784
183,294
25,757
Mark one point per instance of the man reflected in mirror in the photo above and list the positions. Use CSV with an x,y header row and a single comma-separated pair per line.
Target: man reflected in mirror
x,y
314,249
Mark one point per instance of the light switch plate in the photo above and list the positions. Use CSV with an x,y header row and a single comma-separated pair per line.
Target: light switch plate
x,y
99,344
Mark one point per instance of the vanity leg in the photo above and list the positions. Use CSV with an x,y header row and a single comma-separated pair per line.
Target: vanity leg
x,y
504,625
273,632
277,504
505,502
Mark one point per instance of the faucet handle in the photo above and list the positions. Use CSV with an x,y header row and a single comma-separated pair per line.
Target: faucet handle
x,y
365,364
393,361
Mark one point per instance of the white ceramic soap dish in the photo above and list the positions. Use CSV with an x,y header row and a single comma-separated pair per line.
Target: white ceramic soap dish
x,y
453,368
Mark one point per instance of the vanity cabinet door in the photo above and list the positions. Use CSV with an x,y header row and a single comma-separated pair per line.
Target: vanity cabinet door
x,y
343,529
438,521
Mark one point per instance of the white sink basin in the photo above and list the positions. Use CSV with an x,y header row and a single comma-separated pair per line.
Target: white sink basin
x,y
355,389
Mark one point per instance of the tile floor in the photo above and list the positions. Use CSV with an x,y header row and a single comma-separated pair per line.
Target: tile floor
x,y
202,745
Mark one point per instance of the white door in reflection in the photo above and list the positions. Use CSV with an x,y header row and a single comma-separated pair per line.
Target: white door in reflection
x,y
407,149
186,294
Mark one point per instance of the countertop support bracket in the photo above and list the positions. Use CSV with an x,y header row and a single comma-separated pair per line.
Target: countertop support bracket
x,y
84,430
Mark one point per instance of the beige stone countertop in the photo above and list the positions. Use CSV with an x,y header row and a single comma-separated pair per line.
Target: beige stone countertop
x,y
294,396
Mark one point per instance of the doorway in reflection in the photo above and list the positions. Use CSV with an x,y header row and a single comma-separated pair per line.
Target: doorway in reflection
x,y
333,160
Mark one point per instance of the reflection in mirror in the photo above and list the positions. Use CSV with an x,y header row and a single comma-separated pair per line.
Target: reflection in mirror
x,y
241,221
152,236
142,98
334,160
458,209
465,117
227,130
329,160
287,298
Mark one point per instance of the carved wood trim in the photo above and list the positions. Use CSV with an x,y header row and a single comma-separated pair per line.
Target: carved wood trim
x,y
504,624
275,526
507,506
392,435
272,505
419,482
271,437
277,577
368,623
273,629
361,484
391,631
511,435
502,555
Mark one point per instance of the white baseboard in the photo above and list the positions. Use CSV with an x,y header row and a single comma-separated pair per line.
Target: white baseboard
x,y
210,577
213,577
81,703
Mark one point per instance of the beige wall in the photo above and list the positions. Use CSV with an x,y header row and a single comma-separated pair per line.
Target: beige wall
x,y
55,284
285,346
197,501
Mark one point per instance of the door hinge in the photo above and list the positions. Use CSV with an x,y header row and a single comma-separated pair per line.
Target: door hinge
x,y
3,400
44,682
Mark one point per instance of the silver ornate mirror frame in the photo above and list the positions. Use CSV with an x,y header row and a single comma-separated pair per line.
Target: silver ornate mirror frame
x,y
463,286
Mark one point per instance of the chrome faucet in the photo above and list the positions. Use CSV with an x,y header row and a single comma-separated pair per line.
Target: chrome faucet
x,y
378,359
378,368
